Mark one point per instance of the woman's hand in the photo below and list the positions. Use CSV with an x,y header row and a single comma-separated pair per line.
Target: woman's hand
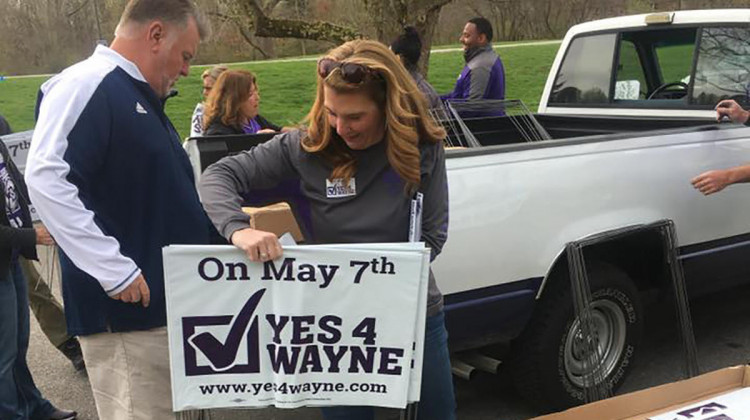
x,y
260,246
266,130
43,236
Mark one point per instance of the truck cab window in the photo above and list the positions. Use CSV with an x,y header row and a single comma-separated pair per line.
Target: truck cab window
x,y
585,73
723,69
675,62
631,79
660,61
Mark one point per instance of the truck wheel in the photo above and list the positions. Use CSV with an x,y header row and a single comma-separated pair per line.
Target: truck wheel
x,y
547,359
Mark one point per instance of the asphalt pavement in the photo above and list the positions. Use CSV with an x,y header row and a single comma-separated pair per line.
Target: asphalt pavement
x,y
722,330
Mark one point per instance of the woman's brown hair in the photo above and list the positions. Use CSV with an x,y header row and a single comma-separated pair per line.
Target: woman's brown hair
x,y
224,103
407,118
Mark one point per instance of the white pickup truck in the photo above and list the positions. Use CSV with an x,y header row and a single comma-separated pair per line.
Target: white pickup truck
x,y
628,107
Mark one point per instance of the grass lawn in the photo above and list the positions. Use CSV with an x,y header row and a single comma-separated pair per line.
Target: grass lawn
x,y
288,88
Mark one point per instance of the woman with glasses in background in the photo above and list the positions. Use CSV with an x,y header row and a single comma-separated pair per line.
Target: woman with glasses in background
x,y
232,106
209,77
369,131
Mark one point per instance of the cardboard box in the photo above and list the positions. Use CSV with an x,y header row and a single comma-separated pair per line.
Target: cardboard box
x,y
675,396
277,218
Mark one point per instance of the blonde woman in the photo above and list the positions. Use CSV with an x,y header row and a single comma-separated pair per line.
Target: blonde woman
x,y
369,131
209,77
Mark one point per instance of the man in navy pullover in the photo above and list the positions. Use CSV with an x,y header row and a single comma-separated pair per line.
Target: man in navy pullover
x,y
483,77
110,180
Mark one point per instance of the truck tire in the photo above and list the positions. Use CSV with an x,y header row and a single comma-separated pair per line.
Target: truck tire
x,y
545,361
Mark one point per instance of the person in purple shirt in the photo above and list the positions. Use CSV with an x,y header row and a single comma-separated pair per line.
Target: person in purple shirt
x,y
232,106
483,77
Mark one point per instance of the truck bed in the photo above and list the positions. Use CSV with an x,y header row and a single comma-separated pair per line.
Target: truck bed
x,y
501,130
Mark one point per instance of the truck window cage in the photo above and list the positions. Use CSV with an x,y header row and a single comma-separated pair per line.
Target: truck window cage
x,y
596,385
454,136
457,117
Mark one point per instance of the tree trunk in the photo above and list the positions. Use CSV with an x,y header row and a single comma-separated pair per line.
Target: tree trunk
x,y
298,12
426,30
391,16
388,17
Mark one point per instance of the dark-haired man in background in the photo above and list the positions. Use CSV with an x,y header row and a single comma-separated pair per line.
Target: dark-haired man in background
x,y
483,77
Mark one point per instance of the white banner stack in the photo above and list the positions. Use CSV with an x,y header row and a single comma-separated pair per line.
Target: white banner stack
x,y
321,326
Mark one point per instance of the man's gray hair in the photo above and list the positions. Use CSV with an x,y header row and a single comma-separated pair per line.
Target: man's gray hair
x,y
168,11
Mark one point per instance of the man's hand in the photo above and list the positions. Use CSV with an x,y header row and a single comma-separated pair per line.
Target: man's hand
x,y
731,109
43,236
260,246
138,291
712,181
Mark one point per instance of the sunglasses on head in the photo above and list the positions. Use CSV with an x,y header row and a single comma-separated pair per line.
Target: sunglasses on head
x,y
350,72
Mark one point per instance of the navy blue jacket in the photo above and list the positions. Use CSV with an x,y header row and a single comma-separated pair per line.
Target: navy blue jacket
x,y
111,182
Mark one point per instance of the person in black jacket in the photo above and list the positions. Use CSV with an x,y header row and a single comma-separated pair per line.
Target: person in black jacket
x,y
47,310
232,106
408,47
4,126
19,397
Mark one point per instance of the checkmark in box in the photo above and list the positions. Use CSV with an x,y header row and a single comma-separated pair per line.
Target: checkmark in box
x,y
222,355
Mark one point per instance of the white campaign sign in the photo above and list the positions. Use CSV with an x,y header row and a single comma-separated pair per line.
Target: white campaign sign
x,y
18,147
419,332
320,326
734,405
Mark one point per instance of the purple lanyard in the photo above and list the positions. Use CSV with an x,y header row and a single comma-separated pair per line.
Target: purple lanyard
x,y
251,127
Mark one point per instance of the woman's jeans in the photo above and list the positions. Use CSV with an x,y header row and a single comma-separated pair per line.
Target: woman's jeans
x,y
19,397
436,401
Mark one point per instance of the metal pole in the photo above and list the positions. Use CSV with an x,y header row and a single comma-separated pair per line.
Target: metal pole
x,y
410,412
692,367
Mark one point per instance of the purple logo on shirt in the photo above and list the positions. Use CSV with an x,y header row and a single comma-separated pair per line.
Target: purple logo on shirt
x,y
12,204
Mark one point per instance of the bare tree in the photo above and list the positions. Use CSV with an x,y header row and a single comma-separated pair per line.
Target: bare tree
x,y
48,35
40,35
388,17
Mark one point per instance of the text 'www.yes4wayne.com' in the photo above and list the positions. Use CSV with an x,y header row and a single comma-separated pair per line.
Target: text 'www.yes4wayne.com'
x,y
284,388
